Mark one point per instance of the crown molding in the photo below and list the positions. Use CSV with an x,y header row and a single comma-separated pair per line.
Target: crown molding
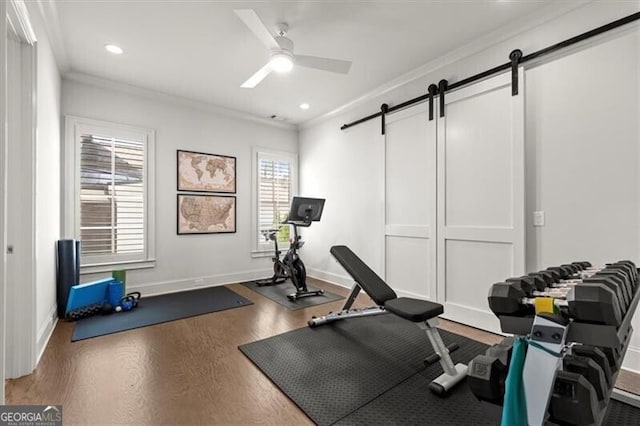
x,y
95,81
49,19
513,29
19,22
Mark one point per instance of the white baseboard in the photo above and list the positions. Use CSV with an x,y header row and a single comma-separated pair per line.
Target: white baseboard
x,y
473,317
485,320
341,280
174,286
632,360
45,332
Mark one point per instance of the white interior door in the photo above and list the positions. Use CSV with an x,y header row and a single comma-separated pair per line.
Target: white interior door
x,y
3,187
20,329
480,197
410,209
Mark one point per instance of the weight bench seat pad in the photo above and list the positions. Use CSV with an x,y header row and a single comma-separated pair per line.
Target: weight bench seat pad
x,y
368,280
415,310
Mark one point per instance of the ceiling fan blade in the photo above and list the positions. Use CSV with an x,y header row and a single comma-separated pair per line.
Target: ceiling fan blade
x,y
325,64
252,20
257,77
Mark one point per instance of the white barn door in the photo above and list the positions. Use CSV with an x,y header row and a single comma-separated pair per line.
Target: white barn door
x,y
410,209
480,230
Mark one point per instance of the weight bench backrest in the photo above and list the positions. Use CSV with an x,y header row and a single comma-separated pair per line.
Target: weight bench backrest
x,y
368,280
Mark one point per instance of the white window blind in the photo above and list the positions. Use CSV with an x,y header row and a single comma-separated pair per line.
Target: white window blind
x,y
274,183
112,215
109,194
274,194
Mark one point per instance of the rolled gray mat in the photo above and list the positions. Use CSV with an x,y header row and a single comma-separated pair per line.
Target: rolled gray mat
x,y
67,271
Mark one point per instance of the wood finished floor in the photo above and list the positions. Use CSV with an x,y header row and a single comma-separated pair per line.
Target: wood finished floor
x,y
183,372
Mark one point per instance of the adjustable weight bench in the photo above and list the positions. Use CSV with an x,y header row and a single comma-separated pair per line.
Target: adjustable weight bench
x,y
422,312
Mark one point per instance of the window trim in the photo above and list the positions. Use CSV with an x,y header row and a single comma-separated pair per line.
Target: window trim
x,y
266,250
71,205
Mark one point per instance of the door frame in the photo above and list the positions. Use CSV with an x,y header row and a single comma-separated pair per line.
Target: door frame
x,y
21,309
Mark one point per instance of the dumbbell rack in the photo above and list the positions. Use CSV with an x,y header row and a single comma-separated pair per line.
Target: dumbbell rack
x,y
589,334
612,338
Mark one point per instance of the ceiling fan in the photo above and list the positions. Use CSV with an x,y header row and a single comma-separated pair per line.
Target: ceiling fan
x,y
280,47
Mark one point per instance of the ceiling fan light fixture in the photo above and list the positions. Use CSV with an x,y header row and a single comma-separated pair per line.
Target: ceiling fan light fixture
x,y
281,62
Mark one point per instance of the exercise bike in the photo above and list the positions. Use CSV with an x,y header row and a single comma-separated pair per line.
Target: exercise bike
x,y
280,273
303,212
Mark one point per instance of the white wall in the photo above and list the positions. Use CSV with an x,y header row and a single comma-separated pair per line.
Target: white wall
x,y
185,261
583,152
48,174
564,131
344,168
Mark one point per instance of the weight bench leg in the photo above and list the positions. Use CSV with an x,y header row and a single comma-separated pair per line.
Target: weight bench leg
x,y
346,311
453,374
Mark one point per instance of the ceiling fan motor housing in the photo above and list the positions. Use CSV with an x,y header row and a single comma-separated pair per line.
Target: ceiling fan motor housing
x,y
285,44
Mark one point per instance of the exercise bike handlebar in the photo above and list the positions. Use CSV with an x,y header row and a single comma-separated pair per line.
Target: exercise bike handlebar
x,y
298,223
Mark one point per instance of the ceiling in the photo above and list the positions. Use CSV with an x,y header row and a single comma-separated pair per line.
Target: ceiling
x,y
202,51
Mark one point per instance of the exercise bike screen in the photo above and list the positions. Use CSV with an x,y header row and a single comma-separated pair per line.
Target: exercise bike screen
x,y
303,208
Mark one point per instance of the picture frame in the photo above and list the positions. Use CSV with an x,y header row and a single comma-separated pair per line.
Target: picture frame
x,y
206,214
202,172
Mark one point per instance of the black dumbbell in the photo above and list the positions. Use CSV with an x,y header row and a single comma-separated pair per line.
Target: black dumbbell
x,y
573,401
487,373
563,272
594,303
590,370
536,286
631,267
627,273
598,356
581,269
615,283
611,279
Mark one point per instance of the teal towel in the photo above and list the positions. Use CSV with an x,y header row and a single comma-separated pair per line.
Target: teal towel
x,y
514,410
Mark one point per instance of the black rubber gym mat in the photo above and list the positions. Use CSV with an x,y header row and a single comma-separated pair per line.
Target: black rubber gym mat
x,y
278,293
159,309
332,370
369,371
619,413
411,402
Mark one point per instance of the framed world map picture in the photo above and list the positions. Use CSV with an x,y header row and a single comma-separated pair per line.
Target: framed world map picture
x,y
200,172
206,214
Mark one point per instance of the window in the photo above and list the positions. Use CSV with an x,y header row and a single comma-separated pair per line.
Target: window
x,y
109,194
275,183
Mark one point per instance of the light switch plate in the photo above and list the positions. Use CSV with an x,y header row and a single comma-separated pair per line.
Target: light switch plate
x,y
538,218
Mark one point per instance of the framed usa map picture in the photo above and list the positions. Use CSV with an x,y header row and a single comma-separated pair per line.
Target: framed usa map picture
x,y
200,172
206,214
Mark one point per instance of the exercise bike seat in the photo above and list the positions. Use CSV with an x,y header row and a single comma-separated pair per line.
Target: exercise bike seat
x,y
414,310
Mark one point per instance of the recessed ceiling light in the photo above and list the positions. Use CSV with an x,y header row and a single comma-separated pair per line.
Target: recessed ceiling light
x,y
116,50
304,106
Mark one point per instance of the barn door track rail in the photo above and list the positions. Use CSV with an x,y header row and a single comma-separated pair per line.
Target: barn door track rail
x,y
516,58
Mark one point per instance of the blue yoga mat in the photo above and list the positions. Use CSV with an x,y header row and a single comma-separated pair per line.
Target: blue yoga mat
x,y
159,309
